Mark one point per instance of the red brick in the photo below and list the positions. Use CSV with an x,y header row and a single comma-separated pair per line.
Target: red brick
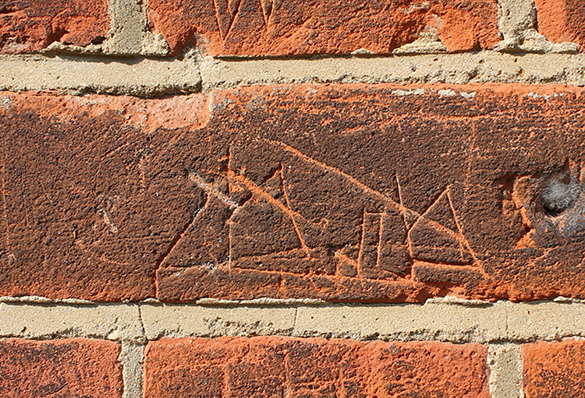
x,y
88,209
29,26
562,20
334,192
277,366
554,369
60,368
297,27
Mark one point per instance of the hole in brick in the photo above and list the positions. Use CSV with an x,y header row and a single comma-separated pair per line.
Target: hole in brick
x,y
56,35
98,40
558,194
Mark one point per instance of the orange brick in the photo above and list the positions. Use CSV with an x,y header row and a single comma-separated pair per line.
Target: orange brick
x,y
60,368
554,369
562,20
29,26
277,366
297,27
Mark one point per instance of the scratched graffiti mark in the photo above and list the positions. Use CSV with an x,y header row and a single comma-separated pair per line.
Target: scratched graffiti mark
x,y
226,12
267,8
284,227
433,238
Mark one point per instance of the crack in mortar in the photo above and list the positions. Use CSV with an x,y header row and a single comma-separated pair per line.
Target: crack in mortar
x,y
42,320
141,319
264,301
506,332
464,68
218,327
470,320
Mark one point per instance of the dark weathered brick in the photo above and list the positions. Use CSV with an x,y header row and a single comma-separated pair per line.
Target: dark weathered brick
x,y
295,368
69,368
296,27
340,192
87,209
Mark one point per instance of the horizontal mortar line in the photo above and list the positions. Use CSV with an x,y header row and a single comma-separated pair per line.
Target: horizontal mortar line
x,y
450,320
479,67
74,74
269,301
152,77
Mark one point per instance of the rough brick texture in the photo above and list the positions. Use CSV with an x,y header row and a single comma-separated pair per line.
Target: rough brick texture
x,y
296,27
28,26
562,20
87,208
284,367
554,369
341,192
60,368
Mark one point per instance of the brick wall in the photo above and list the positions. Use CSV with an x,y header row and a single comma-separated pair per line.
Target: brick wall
x,y
261,198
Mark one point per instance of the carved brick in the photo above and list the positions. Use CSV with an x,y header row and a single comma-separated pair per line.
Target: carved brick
x,y
296,27
341,192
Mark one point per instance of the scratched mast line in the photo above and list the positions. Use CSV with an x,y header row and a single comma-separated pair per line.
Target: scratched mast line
x,y
294,222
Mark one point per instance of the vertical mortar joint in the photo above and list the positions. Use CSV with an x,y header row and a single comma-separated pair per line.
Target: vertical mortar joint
x,y
518,26
505,364
130,33
132,358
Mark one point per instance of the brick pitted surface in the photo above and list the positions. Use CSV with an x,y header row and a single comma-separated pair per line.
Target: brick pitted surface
x,y
29,26
562,20
296,27
340,192
85,213
292,199
276,366
554,369
69,368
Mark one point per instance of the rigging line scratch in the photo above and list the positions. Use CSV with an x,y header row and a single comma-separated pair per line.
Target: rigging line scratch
x,y
294,222
211,189
380,232
267,7
463,237
234,14
218,19
345,258
104,215
436,225
409,245
48,197
180,235
260,192
255,189
23,195
401,208
384,198
362,243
